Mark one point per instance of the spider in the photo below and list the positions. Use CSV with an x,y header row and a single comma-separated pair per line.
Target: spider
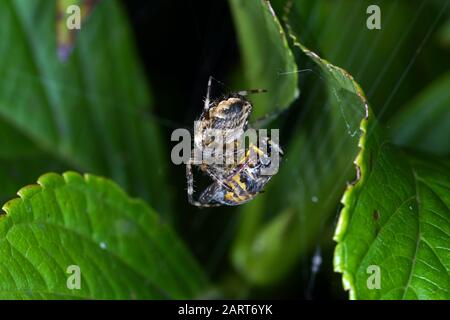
x,y
242,179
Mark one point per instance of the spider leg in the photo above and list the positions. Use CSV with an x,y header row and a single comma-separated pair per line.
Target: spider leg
x,y
190,181
268,118
190,188
250,91
219,181
208,94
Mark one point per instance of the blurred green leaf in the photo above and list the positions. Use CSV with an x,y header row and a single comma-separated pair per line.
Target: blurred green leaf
x,y
396,218
424,123
285,222
14,144
265,53
20,161
378,59
443,35
123,249
66,37
89,111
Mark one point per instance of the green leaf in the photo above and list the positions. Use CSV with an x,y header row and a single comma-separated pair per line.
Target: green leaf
x,y
265,53
123,249
88,112
444,34
396,217
65,36
424,123
286,221
378,59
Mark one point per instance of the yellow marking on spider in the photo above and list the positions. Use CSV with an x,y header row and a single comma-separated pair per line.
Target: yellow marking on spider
x,y
231,196
237,179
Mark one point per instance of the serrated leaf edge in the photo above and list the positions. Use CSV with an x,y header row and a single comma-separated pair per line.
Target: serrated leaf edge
x,y
341,228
